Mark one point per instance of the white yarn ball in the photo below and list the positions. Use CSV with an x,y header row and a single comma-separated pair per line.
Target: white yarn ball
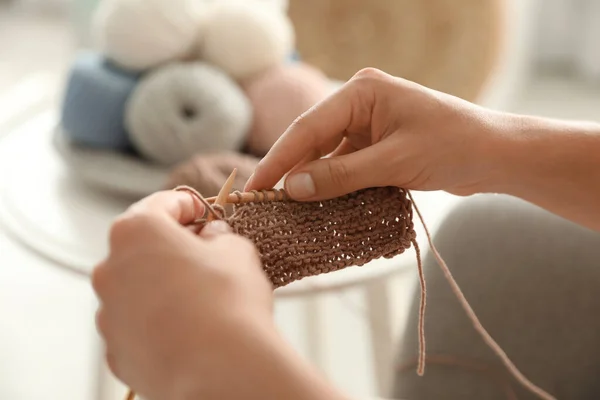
x,y
281,5
183,109
141,34
245,38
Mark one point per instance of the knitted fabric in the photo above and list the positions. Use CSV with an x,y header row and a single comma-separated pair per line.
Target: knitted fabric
x,y
301,239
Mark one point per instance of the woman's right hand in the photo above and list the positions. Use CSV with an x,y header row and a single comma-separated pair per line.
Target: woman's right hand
x,y
379,130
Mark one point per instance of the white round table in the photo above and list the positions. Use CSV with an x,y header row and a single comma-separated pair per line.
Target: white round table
x,y
67,222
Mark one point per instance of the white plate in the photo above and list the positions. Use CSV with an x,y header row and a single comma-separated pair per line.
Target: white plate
x,y
44,208
111,171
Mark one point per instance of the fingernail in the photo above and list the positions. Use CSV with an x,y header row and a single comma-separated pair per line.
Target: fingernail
x,y
301,186
215,228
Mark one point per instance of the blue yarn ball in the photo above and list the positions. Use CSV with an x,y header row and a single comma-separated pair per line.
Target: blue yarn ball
x,y
294,57
94,103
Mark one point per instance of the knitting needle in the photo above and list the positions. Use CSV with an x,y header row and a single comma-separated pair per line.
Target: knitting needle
x,y
248,197
221,199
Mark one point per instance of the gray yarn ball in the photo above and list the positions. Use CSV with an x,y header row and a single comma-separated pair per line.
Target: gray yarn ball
x,y
182,109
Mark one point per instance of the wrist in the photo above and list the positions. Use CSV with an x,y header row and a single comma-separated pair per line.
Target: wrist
x,y
531,154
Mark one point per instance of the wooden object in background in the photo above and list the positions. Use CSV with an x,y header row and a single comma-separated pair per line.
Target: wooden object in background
x,y
448,45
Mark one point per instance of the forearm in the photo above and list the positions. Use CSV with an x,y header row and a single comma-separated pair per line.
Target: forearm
x,y
553,164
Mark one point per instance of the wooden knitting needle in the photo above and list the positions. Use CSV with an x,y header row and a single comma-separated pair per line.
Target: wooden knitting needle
x,y
221,199
248,197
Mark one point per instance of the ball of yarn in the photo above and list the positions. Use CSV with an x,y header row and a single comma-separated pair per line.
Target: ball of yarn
x,y
294,57
207,173
141,34
94,103
281,5
245,37
278,97
182,109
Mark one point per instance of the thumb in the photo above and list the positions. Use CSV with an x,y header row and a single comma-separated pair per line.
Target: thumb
x,y
214,229
327,178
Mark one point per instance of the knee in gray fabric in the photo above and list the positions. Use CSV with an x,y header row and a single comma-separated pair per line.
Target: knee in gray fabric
x,y
531,277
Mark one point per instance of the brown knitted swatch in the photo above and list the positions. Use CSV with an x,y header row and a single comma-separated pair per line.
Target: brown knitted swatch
x,y
301,239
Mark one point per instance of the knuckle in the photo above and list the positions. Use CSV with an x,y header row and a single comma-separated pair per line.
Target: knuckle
x,y
339,174
369,73
128,225
365,86
99,279
300,121
153,199
304,126
120,226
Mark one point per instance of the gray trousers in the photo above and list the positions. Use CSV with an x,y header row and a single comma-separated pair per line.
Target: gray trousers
x,y
533,279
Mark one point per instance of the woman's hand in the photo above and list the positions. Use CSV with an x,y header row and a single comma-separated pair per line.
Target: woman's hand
x,y
380,130
189,317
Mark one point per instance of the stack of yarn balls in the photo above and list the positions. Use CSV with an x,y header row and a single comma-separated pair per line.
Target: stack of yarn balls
x,y
195,86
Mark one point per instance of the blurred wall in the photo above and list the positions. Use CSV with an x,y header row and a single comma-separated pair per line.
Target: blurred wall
x,y
515,67
567,37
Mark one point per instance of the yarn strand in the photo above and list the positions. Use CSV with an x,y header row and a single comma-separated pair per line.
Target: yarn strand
x,y
487,338
490,371
209,207
422,305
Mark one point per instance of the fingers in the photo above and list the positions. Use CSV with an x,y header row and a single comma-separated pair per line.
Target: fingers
x,y
215,229
344,148
153,213
339,175
319,130
181,206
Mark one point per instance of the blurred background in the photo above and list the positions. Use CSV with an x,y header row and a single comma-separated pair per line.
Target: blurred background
x,y
64,73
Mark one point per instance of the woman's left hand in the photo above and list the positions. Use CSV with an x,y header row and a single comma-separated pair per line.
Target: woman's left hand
x,y
178,309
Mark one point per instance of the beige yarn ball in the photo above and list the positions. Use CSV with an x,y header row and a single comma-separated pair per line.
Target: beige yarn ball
x,y
183,109
207,173
245,37
141,34
278,4
278,97
281,5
